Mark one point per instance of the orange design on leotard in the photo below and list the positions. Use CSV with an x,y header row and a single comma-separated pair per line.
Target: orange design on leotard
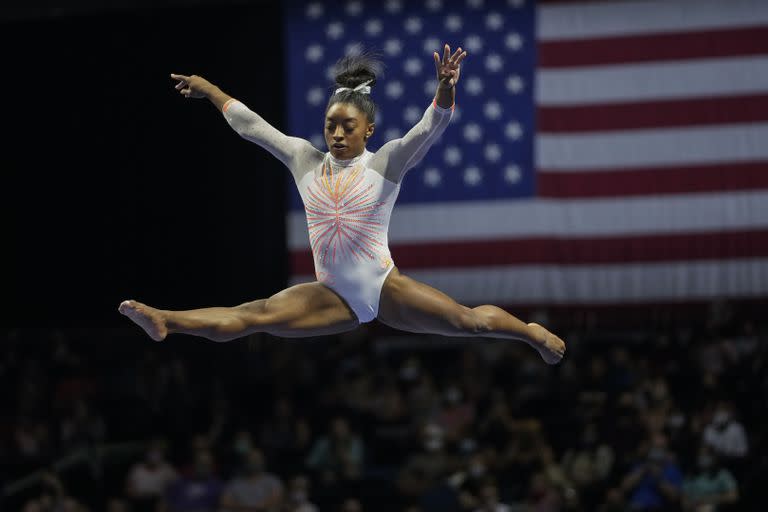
x,y
343,216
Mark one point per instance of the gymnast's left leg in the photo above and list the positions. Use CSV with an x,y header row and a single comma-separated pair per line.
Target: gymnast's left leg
x,y
410,305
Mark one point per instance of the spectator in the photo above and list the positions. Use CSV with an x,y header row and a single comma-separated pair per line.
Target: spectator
x,y
710,487
237,452
588,465
351,505
489,499
149,479
298,496
200,491
31,440
543,494
82,428
256,488
521,458
456,415
469,480
654,483
338,455
725,434
614,502
52,497
117,505
424,469
278,431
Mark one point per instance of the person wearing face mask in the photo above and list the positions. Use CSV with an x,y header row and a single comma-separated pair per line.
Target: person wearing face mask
x,y
725,434
654,484
298,496
424,469
456,415
489,499
469,481
589,465
255,490
337,456
198,492
148,480
711,485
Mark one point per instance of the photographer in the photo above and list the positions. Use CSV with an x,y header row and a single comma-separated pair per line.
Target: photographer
x,y
654,483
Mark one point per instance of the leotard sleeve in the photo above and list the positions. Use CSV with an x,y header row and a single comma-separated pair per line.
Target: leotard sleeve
x,y
397,156
295,153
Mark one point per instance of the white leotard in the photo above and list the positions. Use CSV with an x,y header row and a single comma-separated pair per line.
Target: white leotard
x,y
348,203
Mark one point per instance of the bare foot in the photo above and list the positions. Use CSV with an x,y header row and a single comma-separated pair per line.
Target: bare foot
x,y
148,318
549,346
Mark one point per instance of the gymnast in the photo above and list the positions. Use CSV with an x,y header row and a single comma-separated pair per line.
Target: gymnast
x,y
348,195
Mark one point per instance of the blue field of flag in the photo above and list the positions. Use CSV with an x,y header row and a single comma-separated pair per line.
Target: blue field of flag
x,y
487,152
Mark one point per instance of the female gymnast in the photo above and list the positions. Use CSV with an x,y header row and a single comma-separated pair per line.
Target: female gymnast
x,y
348,194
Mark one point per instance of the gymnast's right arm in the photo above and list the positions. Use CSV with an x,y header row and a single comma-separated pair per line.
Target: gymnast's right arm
x,y
296,153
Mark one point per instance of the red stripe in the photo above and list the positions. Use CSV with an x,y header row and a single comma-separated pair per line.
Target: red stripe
x,y
653,47
657,114
581,251
653,181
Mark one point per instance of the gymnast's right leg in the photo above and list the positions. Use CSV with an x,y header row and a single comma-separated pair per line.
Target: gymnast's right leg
x,y
308,309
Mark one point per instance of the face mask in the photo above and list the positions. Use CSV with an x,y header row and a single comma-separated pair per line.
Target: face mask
x,y
409,373
676,420
589,440
253,468
721,418
705,462
477,470
242,446
203,470
432,445
657,456
453,396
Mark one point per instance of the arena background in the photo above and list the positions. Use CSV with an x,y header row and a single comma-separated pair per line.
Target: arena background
x,y
116,187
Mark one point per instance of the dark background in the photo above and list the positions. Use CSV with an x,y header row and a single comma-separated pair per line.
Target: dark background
x,y
114,185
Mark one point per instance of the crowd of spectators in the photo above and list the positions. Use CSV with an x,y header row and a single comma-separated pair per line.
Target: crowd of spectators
x,y
668,419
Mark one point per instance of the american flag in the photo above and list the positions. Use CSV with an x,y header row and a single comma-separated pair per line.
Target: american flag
x,y
600,152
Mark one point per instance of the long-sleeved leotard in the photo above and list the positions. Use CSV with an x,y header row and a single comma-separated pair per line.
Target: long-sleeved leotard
x,y
348,203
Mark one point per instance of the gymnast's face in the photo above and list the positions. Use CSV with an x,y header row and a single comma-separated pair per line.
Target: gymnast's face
x,y
347,131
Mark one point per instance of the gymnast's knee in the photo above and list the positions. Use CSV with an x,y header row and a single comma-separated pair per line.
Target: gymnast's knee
x,y
238,321
255,314
482,320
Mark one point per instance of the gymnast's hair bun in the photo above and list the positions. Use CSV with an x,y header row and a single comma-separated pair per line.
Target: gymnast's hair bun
x,y
353,70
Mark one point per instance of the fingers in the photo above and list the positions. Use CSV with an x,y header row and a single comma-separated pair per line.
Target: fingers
x,y
455,58
180,77
437,61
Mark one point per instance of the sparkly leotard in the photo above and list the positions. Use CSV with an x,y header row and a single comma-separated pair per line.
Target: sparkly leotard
x,y
348,203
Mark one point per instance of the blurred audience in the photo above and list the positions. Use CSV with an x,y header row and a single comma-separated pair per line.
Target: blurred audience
x,y
646,420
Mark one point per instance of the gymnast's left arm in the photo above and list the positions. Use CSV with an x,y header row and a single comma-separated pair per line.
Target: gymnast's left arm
x,y
396,157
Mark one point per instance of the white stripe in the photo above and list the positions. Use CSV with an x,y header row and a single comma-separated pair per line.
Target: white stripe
x,y
657,147
605,19
651,81
626,283
575,218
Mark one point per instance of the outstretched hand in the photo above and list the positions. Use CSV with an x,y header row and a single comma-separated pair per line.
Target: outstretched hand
x,y
192,86
449,68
